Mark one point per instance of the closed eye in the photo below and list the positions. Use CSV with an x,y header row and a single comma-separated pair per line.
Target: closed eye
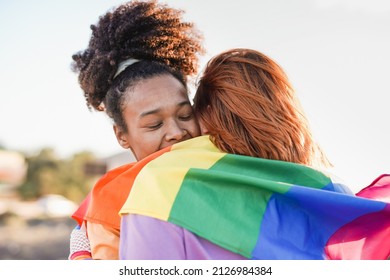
x,y
186,117
154,126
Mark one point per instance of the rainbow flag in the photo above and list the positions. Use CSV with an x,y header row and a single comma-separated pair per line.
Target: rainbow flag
x,y
261,209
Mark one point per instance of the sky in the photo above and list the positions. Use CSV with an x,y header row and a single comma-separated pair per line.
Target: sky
x,y
335,52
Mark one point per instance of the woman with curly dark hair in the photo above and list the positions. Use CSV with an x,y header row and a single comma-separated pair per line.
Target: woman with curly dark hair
x,y
135,69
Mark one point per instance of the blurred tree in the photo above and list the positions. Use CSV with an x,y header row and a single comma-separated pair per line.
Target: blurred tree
x,y
48,174
40,173
75,182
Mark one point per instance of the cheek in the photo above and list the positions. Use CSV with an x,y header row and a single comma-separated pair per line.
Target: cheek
x,y
146,144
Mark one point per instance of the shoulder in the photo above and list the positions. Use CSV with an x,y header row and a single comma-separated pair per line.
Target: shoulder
x,y
109,191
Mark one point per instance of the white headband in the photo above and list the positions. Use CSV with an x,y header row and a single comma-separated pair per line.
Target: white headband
x,y
124,64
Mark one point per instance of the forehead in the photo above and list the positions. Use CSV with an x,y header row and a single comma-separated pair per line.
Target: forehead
x,y
155,94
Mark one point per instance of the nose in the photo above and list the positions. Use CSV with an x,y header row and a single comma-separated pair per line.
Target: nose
x,y
175,132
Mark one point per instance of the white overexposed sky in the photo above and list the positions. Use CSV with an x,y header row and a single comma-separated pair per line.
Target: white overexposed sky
x,y
336,53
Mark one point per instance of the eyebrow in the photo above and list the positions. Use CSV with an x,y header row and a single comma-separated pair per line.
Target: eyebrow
x,y
181,104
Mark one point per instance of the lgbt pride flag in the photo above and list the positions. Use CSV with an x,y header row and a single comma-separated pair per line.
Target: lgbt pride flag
x,y
261,209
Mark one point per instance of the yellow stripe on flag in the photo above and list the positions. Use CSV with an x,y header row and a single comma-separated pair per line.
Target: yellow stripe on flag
x,y
195,153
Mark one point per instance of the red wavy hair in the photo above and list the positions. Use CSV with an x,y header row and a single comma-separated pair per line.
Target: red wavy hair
x,y
246,102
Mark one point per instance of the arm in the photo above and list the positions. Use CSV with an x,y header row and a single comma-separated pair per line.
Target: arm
x,y
104,241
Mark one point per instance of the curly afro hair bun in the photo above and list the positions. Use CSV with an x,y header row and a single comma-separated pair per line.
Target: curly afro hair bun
x,y
144,30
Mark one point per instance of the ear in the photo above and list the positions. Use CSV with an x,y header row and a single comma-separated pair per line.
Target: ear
x,y
121,137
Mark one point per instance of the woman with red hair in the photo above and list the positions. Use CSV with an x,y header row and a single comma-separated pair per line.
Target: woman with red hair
x,y
252,187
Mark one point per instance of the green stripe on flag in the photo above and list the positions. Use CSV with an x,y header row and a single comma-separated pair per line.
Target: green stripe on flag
x,y
213,203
